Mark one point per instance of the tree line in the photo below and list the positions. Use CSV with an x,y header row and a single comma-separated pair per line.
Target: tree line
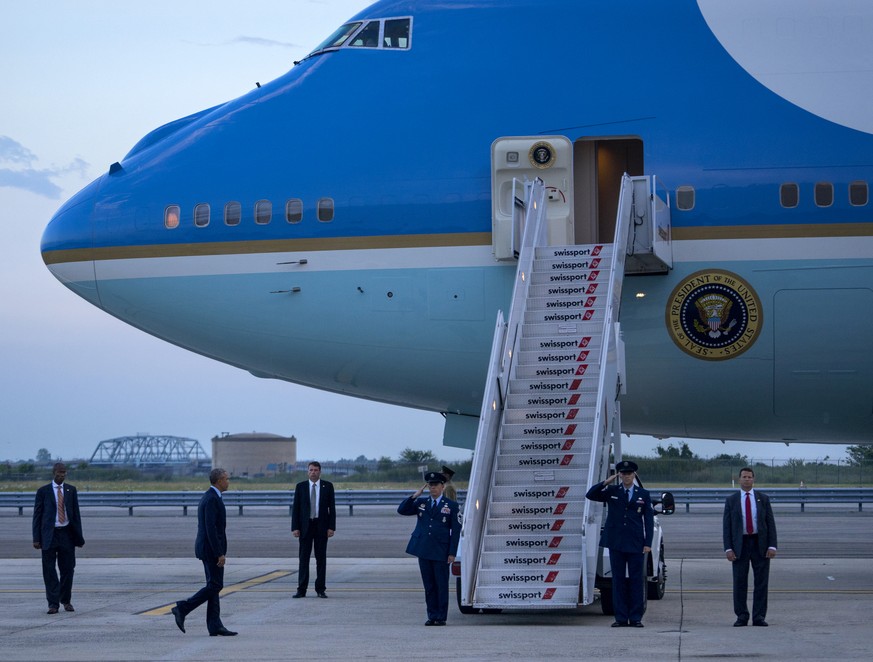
x,y
672,465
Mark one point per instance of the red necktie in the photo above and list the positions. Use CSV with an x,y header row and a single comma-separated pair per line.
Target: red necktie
x,y
62,515
750,527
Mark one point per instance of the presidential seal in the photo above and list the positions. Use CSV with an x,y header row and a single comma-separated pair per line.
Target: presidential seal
x,y
541,155
714,315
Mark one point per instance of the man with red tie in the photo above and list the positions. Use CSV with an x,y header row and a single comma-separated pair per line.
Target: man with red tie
x,y
57,531
749,538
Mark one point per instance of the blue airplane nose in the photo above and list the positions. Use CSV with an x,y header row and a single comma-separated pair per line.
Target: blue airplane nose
x,y
67,244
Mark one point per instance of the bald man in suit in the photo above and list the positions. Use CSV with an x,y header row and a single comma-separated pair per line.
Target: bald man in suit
x,y
57,531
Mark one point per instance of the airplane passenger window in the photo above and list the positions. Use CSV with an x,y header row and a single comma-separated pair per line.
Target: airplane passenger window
x,y
789,195
824,194
201,215
396,33
294,210
368,37
171,217
858,194
232,213
263,212
325,210
685,198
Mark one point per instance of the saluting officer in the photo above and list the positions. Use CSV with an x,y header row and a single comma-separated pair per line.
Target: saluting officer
x,y
628,536
434,541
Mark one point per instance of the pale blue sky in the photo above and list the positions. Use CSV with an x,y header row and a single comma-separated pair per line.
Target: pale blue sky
x,y
83,82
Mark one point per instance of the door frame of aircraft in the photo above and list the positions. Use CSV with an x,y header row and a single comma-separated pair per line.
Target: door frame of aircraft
x,y
598,165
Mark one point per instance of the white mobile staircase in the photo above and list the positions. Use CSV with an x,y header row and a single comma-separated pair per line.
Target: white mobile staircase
x,y
530,538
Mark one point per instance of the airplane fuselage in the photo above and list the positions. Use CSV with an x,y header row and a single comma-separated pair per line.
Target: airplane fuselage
x,y
333,227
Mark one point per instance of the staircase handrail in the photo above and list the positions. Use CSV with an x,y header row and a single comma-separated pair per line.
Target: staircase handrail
x,y
613,304
533,235
607,388
503,349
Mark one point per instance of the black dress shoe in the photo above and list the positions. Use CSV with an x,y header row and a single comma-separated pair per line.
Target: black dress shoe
x,y
180,619
68,607
430,622
223,632
761,624
439,622
299,594
617,624
740,623
322,594
52,610
636,624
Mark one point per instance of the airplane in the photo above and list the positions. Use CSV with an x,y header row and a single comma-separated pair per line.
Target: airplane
x,y
335,227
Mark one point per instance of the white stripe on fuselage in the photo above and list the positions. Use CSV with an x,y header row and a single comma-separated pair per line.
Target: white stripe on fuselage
x,y
721,250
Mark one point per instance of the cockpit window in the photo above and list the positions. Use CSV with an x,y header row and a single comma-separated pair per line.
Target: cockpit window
x,y
338,37
387,33
368,37
396,33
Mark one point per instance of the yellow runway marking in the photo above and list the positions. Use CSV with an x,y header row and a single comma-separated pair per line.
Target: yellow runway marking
x,y
227,590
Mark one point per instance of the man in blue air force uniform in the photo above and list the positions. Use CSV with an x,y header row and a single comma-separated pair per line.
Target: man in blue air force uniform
x,y
435,542
628,536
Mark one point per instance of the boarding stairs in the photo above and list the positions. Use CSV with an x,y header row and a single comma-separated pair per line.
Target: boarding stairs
x,y
551,411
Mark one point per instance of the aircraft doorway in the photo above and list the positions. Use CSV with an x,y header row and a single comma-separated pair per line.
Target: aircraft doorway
x,y
598,164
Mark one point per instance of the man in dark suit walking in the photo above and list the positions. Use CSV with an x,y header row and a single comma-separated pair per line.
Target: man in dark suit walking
x,y
435,542
313,521
628,535
211,548
749,538
57,531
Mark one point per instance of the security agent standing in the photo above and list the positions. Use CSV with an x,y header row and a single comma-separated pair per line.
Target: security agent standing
x,y
628,536
749,530
57,531
435,542
313,521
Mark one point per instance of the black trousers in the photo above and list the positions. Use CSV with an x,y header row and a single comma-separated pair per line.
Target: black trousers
x,y
315,537
751,555
209,595
435,578
627,585
61,553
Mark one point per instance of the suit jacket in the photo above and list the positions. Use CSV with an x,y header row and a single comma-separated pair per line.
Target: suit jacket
x,y
733,522
45,509
437,531
326,508
211,540
629,523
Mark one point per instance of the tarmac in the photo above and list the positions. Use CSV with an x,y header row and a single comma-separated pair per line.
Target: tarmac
x,y
819,607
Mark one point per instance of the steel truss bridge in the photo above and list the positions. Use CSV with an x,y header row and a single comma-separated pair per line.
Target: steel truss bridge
x,y
148,450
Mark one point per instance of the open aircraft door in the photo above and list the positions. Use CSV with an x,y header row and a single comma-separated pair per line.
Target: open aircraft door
x,y
514,159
